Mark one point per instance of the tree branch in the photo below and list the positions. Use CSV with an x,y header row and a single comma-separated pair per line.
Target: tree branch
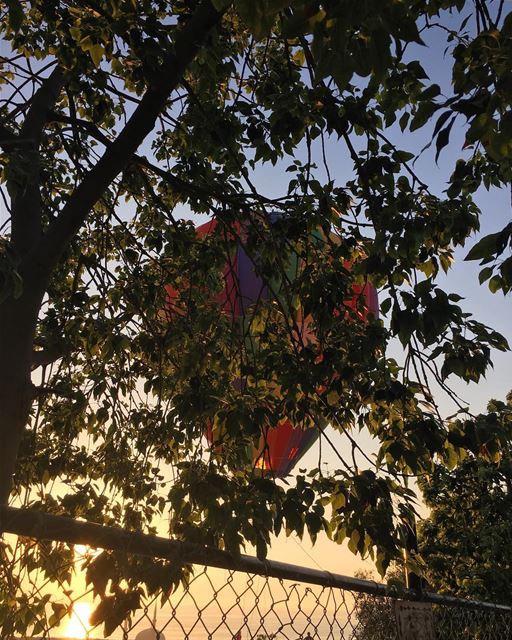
x,y
26,204
44,357
43,100
8,139
182,187
119,153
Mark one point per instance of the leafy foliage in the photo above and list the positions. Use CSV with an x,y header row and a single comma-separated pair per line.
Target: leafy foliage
x,y
122,118
466,540
375,615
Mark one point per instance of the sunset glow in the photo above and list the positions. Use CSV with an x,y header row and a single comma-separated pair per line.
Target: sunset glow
x,y
81,549
78,624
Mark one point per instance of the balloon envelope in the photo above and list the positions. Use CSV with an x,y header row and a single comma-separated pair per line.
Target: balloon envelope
x,y
281,445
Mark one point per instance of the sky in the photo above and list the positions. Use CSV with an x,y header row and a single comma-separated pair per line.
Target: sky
x,y
492,309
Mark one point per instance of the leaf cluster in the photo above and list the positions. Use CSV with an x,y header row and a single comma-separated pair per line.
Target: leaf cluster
x,y
128,379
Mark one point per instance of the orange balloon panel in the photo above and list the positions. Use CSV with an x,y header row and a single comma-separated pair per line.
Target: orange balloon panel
x,y
281,446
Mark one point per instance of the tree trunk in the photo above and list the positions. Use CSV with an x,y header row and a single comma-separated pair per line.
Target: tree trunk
x,y
18,320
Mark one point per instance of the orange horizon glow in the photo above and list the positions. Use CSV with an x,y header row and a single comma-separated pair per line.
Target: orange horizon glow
x,y
78,624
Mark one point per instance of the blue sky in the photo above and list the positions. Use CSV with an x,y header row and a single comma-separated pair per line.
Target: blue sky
x,y
492,309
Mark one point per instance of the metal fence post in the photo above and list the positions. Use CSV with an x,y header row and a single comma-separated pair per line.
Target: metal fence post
x,y
413,581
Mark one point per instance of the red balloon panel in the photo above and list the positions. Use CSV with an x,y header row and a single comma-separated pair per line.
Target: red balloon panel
x,y
281,446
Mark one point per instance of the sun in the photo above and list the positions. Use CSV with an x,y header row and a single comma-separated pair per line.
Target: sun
x,y
81,549
78,625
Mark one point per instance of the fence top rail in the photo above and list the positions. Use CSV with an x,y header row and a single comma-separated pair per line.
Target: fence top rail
x,y
43,526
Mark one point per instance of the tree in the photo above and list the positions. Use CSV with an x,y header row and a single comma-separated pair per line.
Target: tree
x,y
117,115
375,614
466,541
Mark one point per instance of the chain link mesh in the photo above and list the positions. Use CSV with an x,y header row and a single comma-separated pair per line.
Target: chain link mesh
x,y
459,623
53,600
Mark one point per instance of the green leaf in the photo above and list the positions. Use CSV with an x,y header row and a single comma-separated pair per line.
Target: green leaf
x,y
486,247
16,15
403,156
386,306
430,92
506,271
495,283
405,323
354,541
423,115
443,138
485,274
99,572
404,119
440,122
221,5
96,51
259,15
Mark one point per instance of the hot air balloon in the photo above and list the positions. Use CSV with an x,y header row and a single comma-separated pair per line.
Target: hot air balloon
x,y
283,444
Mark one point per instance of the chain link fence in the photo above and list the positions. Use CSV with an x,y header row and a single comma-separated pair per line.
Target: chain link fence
x,y
43,593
